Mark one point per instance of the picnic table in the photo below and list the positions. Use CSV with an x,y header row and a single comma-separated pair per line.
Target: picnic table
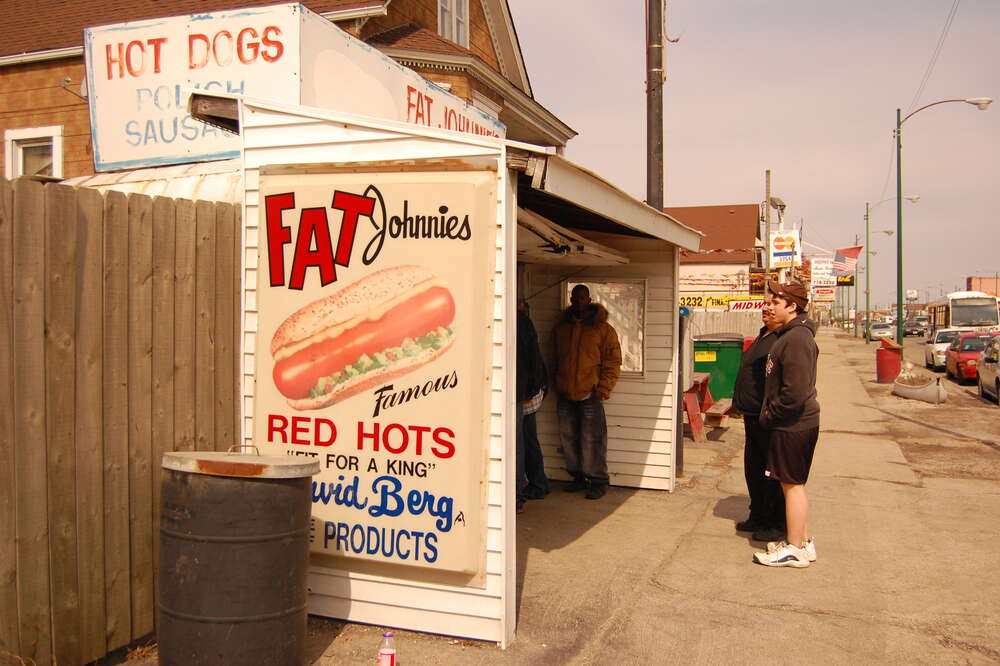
x,y
701,409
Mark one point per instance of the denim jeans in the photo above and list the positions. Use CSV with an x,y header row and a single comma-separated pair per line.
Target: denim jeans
x,y
534,463
583,434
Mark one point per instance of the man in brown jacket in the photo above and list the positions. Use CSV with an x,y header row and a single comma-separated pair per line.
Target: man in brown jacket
x,y
586,362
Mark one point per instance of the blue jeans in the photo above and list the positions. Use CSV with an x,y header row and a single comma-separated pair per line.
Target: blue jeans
x,y
583,434
534,463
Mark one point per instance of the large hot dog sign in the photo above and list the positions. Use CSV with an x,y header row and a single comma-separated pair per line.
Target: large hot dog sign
x,y
373,353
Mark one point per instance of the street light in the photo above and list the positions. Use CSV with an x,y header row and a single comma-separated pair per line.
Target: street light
x,y
913,198
980,103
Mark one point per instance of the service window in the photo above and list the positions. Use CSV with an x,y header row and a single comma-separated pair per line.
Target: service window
x,y
625,301
33,151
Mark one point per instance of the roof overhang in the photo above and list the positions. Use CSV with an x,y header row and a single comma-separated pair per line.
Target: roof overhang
x,y
556,193
576,197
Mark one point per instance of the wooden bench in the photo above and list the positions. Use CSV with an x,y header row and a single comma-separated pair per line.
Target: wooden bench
x,y
701,409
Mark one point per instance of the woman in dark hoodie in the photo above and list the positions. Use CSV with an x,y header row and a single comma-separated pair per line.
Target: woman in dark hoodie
x,y
791,413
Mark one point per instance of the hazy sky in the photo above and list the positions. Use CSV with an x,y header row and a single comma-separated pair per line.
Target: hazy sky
x,y
808,89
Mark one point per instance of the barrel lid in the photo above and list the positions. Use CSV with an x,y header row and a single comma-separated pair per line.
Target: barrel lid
x,y
218,463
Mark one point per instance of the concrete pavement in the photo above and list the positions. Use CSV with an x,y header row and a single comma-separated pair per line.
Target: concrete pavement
x,y
907,568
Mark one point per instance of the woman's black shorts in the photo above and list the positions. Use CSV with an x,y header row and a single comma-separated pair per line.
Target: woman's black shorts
x,y
790,454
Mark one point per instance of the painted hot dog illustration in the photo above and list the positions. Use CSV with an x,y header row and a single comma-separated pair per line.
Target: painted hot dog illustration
x,y
380,327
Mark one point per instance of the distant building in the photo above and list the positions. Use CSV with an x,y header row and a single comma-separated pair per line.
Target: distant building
x,y
730,252
467,47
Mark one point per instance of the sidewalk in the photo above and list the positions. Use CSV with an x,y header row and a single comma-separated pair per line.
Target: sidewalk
x,y
907,569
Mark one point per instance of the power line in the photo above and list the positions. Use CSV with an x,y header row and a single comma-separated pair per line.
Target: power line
x,y
937,52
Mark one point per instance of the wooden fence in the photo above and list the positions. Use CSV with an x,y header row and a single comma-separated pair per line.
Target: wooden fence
x,y
119,340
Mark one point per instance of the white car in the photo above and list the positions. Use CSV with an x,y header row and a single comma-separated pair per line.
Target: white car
x,y
989,359
937,346
881,330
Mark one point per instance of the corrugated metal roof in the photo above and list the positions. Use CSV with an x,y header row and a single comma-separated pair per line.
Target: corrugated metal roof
x,y
204,181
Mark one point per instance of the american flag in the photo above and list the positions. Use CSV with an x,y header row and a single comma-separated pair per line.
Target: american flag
x,y
846,260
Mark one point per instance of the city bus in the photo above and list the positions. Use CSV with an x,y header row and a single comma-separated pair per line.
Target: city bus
x,y
964,309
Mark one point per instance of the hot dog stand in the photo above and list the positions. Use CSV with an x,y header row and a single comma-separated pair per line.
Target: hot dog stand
x,y
382,263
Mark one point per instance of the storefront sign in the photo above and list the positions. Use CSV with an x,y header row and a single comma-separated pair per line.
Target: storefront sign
x,y
709,300
822,272
746,305
137,73
823,294
845,280
785,249
375,296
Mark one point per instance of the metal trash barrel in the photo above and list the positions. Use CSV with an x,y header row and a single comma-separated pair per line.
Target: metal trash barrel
x,y
234,550
888,364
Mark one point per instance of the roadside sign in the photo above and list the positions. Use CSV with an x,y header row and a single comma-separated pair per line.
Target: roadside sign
x,y
785,249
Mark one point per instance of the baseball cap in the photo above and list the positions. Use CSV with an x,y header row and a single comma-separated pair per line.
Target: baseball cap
x,y
790,291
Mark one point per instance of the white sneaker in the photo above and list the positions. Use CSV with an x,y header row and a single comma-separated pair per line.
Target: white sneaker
x,y
783,555
810,547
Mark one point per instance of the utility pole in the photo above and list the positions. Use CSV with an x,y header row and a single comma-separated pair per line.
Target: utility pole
x,y
855,320
868,274
654,103
767,223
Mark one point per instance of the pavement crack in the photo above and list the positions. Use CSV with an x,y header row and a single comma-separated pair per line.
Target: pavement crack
x,y
911,484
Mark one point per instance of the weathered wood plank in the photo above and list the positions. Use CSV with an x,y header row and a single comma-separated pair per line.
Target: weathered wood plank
x,y
117,578
226,283
205,297
163,355
89,421
238,326
184,327
140,363
60,418
9,640
33,586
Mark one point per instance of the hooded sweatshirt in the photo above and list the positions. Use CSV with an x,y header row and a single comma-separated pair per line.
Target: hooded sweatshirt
x,y
790,378
749,389
587,357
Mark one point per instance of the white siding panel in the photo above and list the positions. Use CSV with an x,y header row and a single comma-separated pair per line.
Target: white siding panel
x,y
273,138
416,619
641,413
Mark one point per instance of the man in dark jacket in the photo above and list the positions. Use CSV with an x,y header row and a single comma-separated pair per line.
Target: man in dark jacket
x,y
531,381
767,503
586,364
791,413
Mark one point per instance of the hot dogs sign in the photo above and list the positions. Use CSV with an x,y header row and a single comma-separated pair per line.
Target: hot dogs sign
x,y
374,301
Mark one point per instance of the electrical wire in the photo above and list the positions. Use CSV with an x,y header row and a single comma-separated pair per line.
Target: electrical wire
x,y
934,56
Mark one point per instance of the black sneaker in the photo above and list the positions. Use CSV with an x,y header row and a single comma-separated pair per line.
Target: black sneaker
x,y
576,485
749,525
596,491
769,533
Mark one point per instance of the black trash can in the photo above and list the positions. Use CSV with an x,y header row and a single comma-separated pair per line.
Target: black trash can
x,y
234,551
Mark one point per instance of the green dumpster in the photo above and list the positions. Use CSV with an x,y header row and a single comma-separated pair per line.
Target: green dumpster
x,y
719,354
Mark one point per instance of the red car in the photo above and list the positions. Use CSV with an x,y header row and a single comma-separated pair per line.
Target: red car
x,y
962,357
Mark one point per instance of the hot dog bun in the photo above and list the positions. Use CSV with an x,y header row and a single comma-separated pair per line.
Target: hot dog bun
x,y
380,327
369,380
354,301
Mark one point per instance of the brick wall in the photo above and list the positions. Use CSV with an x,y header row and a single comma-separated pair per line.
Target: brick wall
x,y
30,96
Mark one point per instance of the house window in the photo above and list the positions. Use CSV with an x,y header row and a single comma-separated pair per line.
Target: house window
x,y
625,301
453,21
34,151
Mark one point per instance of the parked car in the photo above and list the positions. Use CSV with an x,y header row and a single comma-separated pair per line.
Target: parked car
x,y
881,330
962,357
989,360
937,345
913,328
